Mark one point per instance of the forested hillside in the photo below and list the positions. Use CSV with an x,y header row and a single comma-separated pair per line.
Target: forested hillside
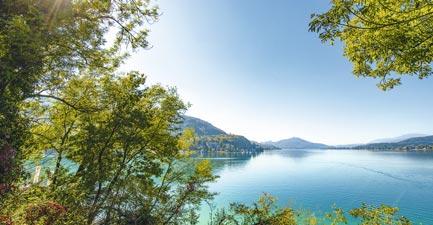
x,y
211,138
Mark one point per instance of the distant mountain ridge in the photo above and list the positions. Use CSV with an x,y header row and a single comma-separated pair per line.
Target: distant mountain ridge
x,y
412,144
397,139
296,143
211,138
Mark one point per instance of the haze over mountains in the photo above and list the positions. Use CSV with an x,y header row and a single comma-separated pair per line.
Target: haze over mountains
x,y
211,138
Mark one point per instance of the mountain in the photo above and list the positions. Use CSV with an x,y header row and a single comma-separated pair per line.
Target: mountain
x,y
211,138
411,144
417,141
226,143
397,139
296,143
201,127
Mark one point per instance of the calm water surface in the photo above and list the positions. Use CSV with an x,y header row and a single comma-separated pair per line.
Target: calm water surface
x,y
318,179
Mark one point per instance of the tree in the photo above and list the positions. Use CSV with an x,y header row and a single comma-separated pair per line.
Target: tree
x,y
383,39
43,43
111,153
108,145
383,214
265,212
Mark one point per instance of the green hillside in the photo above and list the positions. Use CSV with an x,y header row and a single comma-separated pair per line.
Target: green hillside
x,y
201,127
211,138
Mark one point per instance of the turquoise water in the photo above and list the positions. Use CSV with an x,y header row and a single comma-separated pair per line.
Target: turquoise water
x,y
318,179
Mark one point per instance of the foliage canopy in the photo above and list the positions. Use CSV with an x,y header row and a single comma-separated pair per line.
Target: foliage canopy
x,y
44,43
382,39
116,156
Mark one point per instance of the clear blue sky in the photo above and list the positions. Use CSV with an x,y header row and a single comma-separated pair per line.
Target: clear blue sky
x,y
252,68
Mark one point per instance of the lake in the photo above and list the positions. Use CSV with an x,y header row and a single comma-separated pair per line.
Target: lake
x,y
318,179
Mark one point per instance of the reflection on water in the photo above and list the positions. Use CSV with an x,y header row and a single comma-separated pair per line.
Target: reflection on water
x,y
316,179
295,154
221,160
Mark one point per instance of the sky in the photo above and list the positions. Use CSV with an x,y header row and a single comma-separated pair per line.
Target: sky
x,y
252,68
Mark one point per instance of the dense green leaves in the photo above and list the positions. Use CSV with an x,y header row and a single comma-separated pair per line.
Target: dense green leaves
x,y
383,39
108,146
262,212
116,154
384,215
44,43
265,212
